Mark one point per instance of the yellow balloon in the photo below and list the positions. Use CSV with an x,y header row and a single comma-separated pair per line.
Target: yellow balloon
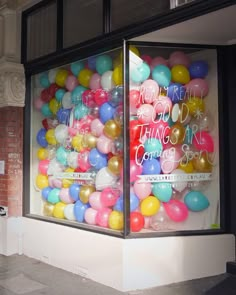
x,y
117,61
89,141
115,165
50,137
54,105
41,181
177,133
61,77
117,75
67,182
131,48
84,77
150,206
196,105
58,211
48,209
180,74
76,142
187,167
202,163
42,153
116,220
85,192
112,129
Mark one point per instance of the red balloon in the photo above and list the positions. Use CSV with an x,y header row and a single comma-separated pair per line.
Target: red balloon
x,y
136,221
203,141
53,89
45,95
100,96
88,98
136,150
176,210
135,127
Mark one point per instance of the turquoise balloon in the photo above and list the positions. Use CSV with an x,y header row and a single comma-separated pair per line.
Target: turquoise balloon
x,y
44,81
153,146
61,155
76,67
141,73
103,64
81,111
45,110
76,94
162,191
53,196
59,94
162,75
188,135
196,201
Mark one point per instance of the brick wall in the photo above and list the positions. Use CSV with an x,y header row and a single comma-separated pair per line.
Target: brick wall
x,y
11,151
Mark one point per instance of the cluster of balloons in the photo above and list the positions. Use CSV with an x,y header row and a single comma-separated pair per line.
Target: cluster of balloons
x,y
81,139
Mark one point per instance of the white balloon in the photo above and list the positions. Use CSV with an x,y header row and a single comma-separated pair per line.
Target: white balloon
x,y
55,167
61,133
52,75
104,179
72,159
66,101
69,212
107,81
179,186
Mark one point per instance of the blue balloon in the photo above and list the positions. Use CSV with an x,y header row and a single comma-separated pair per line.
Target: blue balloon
x,y
61,155
81,111
74,190
46,110
119,205
198,69
76,67
106,112
162,191
134,203
103,64
92,63
44,81
53,196
79,210
153,146
41,137
63,116
97,159
59,94
76,94
141,73
162,75
176,92
45,192
151,166
196,201
116,96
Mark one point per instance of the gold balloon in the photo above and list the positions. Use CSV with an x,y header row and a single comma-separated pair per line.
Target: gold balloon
x,y
187,167
50,137
48,209
112,129
89,141
58,210
115,165
196,106
202,163
76,142
177,134
85,192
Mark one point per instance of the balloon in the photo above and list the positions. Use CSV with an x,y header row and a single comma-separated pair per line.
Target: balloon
x,y
134,201
84,77
198,69
135,170
196,106
105,179
38,103
117,147
180,74
45,192
204,122
117,75
202,163
95,200
55,167
176,210
107,81
134,100
56,183
115,164
176,92
97,159
76,142
63,116
58,210
69,212
53,196
76,67
153,147
179,58
159,130
103,64
61,133
146,113
41,181
65,196
44,82
119,115
156,61
102,217
42,153
112,129
43,167
74,191
90,216
203,141
151,166
187,167
109,197
136,150
54,106
48,209
46,110
160,221
100,96
136,221
71,83
162,191
142,189
116,96
147,59
95,81
106,112
197,88
149,91
96,127
140,73
162,75
66,101
85,192
196,201
52,75
72,159
135,127
177,134
179,185
61,155
89,141
104,144
61,77
169,160
79,210
116,220
41,137
80,111
149,206
67,182
162,105
83,160
76,94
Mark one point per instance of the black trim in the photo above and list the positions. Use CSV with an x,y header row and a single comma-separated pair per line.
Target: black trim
x,y
106,16
60,24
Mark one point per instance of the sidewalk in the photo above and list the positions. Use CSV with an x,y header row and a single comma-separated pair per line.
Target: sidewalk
x,y
23,275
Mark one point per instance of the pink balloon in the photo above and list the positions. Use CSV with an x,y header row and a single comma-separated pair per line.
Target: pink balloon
x,y
134,100
103,216
65,196
50,181
71,83
57,183
90,216
176,210
96,127
142,189
146,58
169,160
95,82
146,113
149,91
179,186
83,160
85,124
38,103
134,171
179,58
197,88
203,141
43,166
109,196
88,98
162,105
95,200
104,144
158,61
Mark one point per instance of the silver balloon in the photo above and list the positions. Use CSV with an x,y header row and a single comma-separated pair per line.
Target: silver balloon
x,y
160,221
204,122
